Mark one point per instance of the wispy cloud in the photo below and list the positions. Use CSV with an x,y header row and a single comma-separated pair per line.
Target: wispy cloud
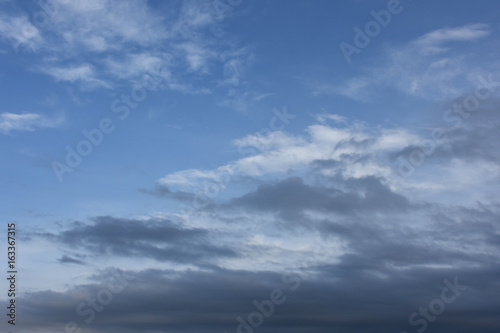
x,y
436,66
83,73
432,42
18,31
133,65
26,122
323,118
123,40
104,25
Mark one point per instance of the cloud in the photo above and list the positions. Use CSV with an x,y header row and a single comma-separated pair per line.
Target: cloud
x,y
463,157
347,297
104,25
291,195
190,179
25,122
84,73
18,31
354,88
180,46
159,239
351,150
342,179
342,152
134,65
68,260
85,43
320,214
241,100
438,65
329,217
432,42
277,151
196,56
323,118
163,191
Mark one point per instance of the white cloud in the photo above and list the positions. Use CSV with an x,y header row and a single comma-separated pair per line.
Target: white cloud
x,y
276,153
433,41
25,122
193,15
19,32
197,55
122,40
100,25
323,118
351,151
83,73
430,67
268,141
188,177
134,65
355,88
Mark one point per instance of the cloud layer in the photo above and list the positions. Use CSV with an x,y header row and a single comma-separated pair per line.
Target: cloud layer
x,y
320,222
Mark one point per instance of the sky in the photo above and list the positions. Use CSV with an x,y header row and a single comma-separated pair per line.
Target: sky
x,y
251,165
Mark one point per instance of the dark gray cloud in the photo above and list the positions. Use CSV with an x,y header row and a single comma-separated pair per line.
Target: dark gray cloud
x,y
477,143
293,195
339,298
160,239
442,236
165,192
470,136
69,260
392,269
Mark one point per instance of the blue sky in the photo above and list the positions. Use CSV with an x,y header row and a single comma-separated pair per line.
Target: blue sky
x,y
233,137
